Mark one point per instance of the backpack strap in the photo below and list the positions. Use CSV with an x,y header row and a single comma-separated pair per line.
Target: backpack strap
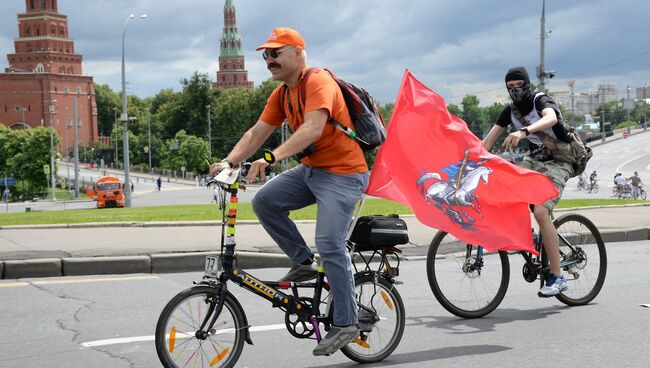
x,y
302,87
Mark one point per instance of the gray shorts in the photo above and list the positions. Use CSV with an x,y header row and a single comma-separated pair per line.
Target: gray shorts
x,y
559,172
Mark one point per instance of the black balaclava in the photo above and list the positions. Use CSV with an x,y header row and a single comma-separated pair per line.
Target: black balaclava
x,y
521,97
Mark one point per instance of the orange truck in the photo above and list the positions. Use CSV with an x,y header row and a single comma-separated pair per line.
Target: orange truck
x,y
108,191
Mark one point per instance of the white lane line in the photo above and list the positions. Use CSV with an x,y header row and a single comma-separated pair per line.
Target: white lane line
x,y
76,281
12,284
128,340
97,279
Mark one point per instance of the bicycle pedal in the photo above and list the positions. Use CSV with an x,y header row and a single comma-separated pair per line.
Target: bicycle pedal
x,y
397,282
539,294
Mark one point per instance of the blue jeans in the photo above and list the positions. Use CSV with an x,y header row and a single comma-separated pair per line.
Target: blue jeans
x,y
335,196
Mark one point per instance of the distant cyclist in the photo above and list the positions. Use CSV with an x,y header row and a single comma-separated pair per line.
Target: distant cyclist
x,y
592,178
636,183
621,183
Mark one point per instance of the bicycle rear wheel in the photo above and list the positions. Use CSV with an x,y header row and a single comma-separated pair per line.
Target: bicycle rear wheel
x,y
176,341
583,250
381,320
465,284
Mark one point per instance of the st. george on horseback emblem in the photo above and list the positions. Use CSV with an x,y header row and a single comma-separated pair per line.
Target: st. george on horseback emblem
x,y
455,195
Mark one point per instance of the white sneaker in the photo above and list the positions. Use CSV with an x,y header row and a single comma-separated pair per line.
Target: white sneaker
x,y
553,286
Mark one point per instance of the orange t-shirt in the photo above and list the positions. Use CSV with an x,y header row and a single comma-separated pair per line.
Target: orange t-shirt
x,y
335,151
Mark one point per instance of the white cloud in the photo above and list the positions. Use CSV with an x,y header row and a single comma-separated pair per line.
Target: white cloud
x,y
456,47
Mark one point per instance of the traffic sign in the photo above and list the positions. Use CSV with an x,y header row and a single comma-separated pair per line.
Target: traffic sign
x,y
7,182
46,169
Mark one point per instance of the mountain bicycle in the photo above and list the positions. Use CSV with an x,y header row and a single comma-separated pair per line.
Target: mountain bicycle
x,y
582,183
592,187
471,282
206,324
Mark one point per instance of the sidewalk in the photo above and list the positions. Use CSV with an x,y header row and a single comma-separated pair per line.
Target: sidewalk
x,y
90,249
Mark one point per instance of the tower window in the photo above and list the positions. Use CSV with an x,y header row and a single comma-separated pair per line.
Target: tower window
x,y
43,6
31,4
27,30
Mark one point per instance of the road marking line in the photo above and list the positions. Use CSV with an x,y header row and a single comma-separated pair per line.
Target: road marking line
x,y
12,284
76,281
100,279
127,340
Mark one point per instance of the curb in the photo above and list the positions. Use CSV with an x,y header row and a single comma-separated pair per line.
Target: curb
x,y
151,263
192,261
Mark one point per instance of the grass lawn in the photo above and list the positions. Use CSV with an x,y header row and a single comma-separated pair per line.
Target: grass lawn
x,y
203,212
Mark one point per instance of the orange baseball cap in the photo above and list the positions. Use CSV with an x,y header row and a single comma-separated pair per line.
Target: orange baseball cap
x,y
282,36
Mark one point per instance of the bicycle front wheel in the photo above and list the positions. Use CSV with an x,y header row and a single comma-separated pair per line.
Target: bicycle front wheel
x,y
595,189
466,283
381,320
643,194
583,256
177,342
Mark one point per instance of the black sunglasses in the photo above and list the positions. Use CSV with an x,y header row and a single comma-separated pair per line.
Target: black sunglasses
x,y
274,53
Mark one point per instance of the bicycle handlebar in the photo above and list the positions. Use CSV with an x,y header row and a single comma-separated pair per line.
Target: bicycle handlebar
x,y
229,176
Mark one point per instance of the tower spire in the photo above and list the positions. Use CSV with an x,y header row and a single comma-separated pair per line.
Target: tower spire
x,y
43,45
232,72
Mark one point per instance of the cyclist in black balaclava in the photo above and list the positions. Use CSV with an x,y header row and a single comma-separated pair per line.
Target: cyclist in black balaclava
x,y
532,116
522,97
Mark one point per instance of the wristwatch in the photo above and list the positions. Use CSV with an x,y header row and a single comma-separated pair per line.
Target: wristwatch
x,y
525,130
269,157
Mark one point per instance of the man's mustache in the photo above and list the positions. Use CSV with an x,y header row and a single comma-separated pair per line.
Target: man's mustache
x,y
273,65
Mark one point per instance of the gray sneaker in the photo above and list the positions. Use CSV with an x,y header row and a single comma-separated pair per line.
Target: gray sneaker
x,y
300,272
336,338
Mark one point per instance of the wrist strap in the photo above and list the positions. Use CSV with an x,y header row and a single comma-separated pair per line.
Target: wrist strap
x,y
269,157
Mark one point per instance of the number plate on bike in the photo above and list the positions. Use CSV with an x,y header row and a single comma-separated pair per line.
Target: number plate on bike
x,y
212,266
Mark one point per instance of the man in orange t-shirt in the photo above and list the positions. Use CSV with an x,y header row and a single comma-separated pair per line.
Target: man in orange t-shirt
x,y
333,174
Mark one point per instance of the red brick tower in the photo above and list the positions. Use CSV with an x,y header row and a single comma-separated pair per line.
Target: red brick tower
x,y
44,70
232,72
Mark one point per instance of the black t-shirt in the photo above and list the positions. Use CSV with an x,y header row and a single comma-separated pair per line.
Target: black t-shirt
x,y
542,102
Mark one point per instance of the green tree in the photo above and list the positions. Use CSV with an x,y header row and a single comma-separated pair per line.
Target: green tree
x,y
232,116
108,108
473,115
28,151
454,110
185,150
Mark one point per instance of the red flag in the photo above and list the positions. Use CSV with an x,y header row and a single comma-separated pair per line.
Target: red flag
x,y
432,163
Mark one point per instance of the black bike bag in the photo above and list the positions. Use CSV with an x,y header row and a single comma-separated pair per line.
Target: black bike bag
x,y
378,230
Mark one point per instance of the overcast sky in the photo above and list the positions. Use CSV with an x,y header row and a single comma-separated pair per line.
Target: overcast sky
x,y
456,47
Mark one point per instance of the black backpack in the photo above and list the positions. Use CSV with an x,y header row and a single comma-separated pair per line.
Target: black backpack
x,y
369,126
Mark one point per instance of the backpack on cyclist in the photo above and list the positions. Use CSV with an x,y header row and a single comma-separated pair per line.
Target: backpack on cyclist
x,y
369,126
574,152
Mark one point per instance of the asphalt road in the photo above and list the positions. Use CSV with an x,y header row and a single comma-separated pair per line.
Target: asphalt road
x,y
109,322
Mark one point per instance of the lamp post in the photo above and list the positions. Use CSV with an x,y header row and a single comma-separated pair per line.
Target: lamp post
x,y
124,117
75,144
52,112
645,122
115,128
67,155
209,135
149,131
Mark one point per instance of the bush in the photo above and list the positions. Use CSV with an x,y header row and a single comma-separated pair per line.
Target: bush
x,y
626,124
